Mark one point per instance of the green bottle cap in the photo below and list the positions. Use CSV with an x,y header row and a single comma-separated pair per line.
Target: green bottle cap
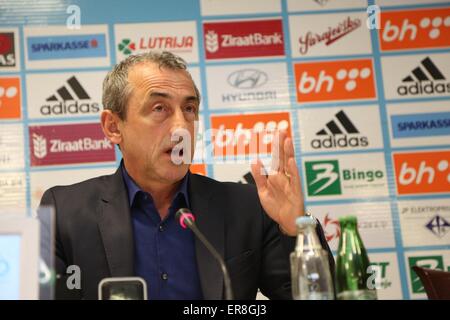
x,y
348,219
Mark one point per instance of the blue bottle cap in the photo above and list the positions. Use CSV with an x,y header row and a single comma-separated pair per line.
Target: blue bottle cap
x,y
305,220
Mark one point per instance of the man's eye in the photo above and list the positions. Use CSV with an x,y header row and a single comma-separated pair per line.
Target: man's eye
x,y
159,108
190,109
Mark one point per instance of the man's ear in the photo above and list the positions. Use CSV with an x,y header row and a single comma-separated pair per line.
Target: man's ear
x,y
110,126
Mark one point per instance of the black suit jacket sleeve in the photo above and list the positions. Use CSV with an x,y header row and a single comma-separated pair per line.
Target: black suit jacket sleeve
x,y
60,260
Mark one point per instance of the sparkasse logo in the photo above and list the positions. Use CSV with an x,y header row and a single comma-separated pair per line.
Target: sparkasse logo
x,y
70,98
422,172
334,80
69,144
414,29
433,124
66,47
339,133
243,39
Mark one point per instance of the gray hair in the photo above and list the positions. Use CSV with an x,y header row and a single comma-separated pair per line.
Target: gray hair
x,y
116,88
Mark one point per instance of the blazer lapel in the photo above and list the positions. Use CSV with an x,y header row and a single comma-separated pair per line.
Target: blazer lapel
x,y
212,224
115,226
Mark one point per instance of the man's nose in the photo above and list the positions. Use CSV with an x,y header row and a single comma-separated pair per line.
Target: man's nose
x,y
179,122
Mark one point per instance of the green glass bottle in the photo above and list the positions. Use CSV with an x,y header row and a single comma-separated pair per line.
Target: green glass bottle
x,y
352,266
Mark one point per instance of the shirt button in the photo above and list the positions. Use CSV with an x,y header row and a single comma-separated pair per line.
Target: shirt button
x,y
161,228
164,276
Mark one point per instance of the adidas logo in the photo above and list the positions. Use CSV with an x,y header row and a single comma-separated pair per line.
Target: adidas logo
x,y
424,79
339,133
67,99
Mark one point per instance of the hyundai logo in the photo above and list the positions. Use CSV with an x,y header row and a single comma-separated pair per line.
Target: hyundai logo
x,y
247,79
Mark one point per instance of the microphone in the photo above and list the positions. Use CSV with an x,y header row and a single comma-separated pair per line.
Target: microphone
x,y
122,288
187,220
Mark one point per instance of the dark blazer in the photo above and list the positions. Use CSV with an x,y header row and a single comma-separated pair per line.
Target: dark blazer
x,y
94,231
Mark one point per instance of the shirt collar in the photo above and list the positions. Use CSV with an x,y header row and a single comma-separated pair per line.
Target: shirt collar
x,y
133,189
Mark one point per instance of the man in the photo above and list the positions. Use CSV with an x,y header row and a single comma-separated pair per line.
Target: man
x,y
124,224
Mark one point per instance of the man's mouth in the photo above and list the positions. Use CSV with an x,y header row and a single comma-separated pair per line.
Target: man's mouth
x,y
176,151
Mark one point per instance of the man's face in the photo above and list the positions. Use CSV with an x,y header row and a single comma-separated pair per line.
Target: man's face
x,y
162,102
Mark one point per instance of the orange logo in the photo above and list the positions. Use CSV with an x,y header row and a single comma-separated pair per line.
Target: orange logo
x,y
422,172
9,98
413,29
245,134
198,168
334,80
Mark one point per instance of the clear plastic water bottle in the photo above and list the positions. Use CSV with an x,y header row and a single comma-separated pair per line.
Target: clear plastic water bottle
x,y
310,269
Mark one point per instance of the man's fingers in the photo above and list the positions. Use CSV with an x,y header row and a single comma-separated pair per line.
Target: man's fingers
x,y
278,156
288,149
258,174
294,176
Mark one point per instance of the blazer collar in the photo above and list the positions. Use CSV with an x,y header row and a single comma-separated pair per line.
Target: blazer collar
x,y
211,223
115,226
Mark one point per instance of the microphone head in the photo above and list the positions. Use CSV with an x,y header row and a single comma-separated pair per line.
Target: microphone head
x,y
186,218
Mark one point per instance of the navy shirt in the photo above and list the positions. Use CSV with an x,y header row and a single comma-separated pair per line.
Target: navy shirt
x,y
164,251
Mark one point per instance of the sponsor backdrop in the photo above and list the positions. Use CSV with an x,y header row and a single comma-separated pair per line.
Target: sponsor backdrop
x,y
368,108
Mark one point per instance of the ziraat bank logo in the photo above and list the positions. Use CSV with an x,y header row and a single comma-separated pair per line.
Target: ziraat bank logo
x,y
329,36
69,144
247,134
70,98
425,79
243,39
66,47
175,44
339,132
7,50
422,172
415,29
10,98
334,80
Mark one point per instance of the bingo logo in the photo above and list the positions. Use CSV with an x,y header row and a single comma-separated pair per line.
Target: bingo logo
x,y
422,172
244,134
415,29
334,80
